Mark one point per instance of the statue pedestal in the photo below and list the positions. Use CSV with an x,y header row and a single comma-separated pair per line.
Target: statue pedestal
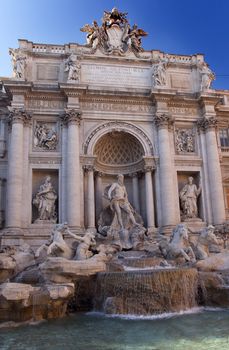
x,y
195,224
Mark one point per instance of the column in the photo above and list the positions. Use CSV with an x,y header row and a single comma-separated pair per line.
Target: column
x,y
15,197
27,212
1,204
73,118
90,196
149,198
98,194
214,170
166,170
135,191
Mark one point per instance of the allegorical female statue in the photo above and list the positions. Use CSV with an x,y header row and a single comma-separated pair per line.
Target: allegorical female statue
x,y
188,196
45,200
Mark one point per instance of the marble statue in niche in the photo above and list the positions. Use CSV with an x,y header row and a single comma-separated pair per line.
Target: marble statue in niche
x,y
184,140
119,201
119,222
45,138
19,62
188,196
72,66
45,201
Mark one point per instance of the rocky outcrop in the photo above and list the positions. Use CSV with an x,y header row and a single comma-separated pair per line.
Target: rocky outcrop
x,y
12,264
7,267
214,289
60,270
22,302
216,262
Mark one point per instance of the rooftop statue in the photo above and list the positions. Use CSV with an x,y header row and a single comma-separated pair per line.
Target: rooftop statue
x,y
207,76
115,35
19,62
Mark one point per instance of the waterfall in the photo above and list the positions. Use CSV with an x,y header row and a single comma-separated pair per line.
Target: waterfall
x,y
146,292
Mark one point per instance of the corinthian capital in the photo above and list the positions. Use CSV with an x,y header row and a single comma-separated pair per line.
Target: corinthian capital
x,y
72,116
207,123
19,115
163,120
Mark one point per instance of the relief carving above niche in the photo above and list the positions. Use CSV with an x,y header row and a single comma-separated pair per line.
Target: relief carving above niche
x,y
184,140
45,136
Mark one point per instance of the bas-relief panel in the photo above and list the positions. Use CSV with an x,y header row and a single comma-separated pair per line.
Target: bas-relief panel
x,y
116,75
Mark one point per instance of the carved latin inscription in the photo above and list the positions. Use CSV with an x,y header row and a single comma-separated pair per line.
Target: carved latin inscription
x,y
116,75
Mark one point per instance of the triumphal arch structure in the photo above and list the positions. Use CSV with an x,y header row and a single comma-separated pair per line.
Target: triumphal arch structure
x,y
75,116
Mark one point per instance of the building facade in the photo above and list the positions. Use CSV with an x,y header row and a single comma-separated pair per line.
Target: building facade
x,y
74,116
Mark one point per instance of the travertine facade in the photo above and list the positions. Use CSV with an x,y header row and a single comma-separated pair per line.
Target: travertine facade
x,y
82,114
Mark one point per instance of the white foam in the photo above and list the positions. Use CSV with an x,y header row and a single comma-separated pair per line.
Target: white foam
x,y
165,315
149,268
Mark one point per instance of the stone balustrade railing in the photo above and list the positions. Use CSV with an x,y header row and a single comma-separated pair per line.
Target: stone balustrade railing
x,y
48,48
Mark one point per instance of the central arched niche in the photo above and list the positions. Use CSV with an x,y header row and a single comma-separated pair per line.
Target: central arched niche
x,y
119,152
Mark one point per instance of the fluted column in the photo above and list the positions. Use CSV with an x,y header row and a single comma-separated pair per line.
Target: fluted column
x,y
15,197
27,212
208,126
166,170
135,189
98,193
90,196
72,118
149,198
1,210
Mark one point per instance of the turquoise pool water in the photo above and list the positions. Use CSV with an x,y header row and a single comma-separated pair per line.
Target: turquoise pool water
x,y
206,329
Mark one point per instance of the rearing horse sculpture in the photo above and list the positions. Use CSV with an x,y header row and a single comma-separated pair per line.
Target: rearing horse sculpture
x,y
178,245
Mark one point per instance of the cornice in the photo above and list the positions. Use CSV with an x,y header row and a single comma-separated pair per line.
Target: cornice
x,y
73,90
209,99
182,160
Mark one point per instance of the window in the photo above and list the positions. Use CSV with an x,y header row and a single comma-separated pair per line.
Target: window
x,y
224,137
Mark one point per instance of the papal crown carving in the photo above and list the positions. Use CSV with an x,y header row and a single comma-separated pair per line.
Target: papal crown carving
x,y
115,35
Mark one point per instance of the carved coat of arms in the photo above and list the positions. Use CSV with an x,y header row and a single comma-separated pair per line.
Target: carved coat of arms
x,y
115,35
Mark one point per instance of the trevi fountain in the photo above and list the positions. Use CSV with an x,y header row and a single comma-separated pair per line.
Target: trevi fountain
x,y
113,196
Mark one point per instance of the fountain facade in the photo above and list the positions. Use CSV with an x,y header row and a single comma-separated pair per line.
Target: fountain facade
x,y
113,177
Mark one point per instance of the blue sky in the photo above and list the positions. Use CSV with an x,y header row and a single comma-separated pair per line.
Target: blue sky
x,y
174,26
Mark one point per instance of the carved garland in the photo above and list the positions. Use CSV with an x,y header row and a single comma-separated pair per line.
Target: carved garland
x,y
118,126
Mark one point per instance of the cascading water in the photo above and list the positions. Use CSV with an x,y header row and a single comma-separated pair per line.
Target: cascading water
x,y
146,292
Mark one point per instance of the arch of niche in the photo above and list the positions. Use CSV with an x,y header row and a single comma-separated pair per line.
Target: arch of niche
x,y
118,147
113,148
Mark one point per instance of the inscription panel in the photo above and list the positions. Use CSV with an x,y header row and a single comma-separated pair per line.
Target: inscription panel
x,y
111,107
47,72
116,75
181,81
45,104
